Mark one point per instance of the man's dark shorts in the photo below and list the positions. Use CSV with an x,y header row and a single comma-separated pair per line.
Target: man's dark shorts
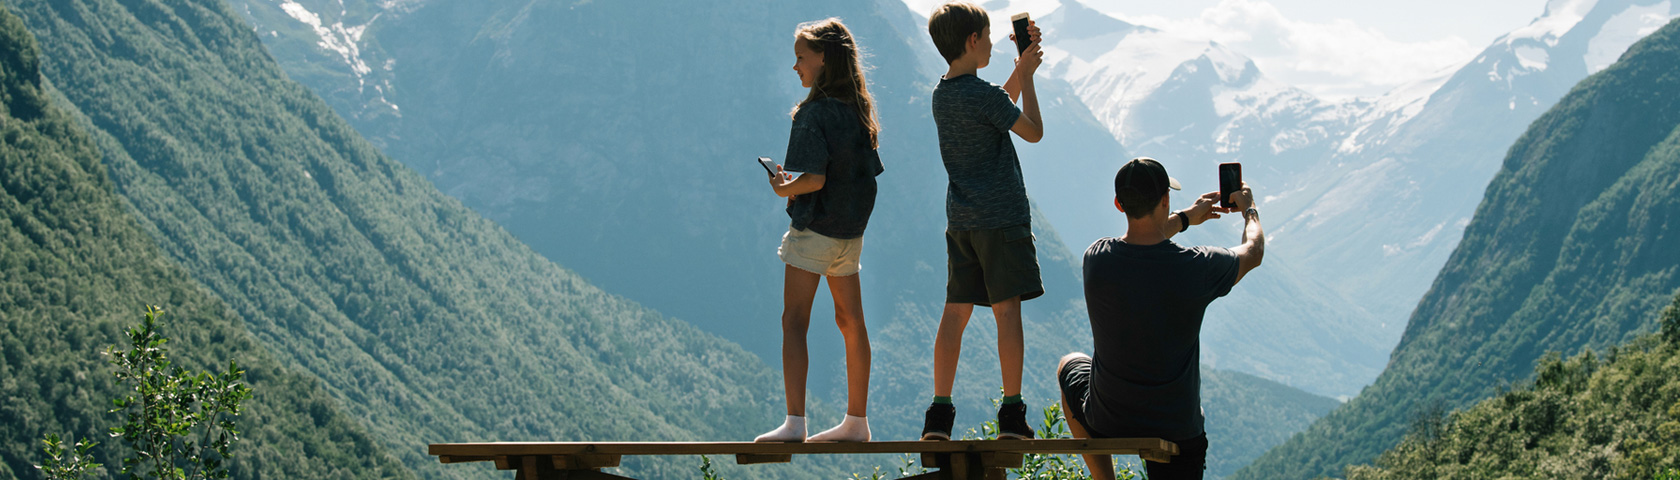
x,y
1075,382
990,266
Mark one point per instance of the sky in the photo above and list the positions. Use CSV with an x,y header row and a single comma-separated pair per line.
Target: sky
x,y
1333,48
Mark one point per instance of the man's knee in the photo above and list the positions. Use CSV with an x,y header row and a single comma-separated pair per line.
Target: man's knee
x,y
1068,358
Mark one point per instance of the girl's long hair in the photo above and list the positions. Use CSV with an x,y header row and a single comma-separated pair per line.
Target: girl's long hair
x,y
842,72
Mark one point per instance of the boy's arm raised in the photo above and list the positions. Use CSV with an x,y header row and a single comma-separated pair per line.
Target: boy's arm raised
x,y
1029,126
1013,85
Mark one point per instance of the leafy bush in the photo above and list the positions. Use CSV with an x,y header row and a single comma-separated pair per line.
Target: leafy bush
x,y
180,424
64,464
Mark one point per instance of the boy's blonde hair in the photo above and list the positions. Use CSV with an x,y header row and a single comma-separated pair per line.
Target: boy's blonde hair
x,y
842,73
951,24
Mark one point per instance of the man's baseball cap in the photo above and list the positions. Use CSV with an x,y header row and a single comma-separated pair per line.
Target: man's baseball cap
x,y
1141,183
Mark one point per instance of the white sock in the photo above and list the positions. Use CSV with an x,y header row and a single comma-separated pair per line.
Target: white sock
x,y
791,431
852,429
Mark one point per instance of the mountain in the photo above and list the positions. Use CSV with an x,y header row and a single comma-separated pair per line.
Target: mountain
x,y
76,269
1569,250
1428,148
426,321
627,157
1588,417
1248,415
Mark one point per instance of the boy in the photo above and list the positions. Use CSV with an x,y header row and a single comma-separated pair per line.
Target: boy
x,y
988,238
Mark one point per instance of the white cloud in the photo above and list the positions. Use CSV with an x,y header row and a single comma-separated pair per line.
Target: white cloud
x,y
1334,59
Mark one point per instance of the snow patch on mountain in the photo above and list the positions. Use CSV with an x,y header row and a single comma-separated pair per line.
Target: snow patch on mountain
x,y
1560,17
336,37
1622,30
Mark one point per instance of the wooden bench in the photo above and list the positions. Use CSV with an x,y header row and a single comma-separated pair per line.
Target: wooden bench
x,y
954,460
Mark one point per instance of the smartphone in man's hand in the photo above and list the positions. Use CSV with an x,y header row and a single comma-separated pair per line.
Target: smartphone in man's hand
x,y
768,164
1230,181
1022,38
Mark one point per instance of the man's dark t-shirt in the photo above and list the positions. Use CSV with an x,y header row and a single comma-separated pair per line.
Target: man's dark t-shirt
x,y
1146,305
827,139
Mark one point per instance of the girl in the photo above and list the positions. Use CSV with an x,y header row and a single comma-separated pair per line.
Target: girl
x,y
832,146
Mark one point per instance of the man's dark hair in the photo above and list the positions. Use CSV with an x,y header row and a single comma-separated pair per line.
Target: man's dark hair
x,y
951,24
1139,186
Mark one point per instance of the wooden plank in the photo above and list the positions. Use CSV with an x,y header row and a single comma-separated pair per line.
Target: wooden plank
x,y
1110,446
530,468
1001,460
464,459
1158,456
934,460
584,462
960,466
504,463
756,458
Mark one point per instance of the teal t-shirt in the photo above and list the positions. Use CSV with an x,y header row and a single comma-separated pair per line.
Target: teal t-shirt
x,y
827,139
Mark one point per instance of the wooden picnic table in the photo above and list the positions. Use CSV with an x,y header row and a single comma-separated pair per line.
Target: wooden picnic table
x,y
952,459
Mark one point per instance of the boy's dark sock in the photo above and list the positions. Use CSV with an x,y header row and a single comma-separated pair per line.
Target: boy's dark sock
x,y
1010,400
938,400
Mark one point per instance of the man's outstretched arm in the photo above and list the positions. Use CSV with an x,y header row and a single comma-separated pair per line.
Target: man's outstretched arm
x,y
1253,246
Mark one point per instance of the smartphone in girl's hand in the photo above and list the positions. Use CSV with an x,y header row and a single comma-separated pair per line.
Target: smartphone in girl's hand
x,y
768,164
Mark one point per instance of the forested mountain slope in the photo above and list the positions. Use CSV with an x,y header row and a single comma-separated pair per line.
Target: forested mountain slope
x,y
1612,416
76,269
1571,248
429,322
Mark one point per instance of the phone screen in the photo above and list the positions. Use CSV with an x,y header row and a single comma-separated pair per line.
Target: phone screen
x,y
768,164
1230,181
1022,39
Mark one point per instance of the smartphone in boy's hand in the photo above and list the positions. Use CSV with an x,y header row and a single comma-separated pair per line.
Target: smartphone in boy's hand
x,y
1023,39
768,164
1230,181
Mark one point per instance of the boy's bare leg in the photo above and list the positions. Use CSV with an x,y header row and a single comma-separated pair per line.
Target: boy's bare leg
x,y
947,346
797,291
1011,343
848,315
1101,466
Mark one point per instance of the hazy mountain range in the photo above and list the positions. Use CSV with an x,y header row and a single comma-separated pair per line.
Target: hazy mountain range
x,y
1571,249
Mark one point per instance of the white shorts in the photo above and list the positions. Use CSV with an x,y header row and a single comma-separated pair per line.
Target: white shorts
x,y
813,252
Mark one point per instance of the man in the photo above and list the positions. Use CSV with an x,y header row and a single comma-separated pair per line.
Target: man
x,y
1146,296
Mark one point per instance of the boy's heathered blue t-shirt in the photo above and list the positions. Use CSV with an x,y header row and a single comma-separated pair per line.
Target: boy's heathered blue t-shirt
x,y
827,139
986,191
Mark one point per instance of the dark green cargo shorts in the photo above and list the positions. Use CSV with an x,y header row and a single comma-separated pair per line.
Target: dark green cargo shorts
x,y
990,266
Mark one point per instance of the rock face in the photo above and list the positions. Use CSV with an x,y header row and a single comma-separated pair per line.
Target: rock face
x,y
1570,249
